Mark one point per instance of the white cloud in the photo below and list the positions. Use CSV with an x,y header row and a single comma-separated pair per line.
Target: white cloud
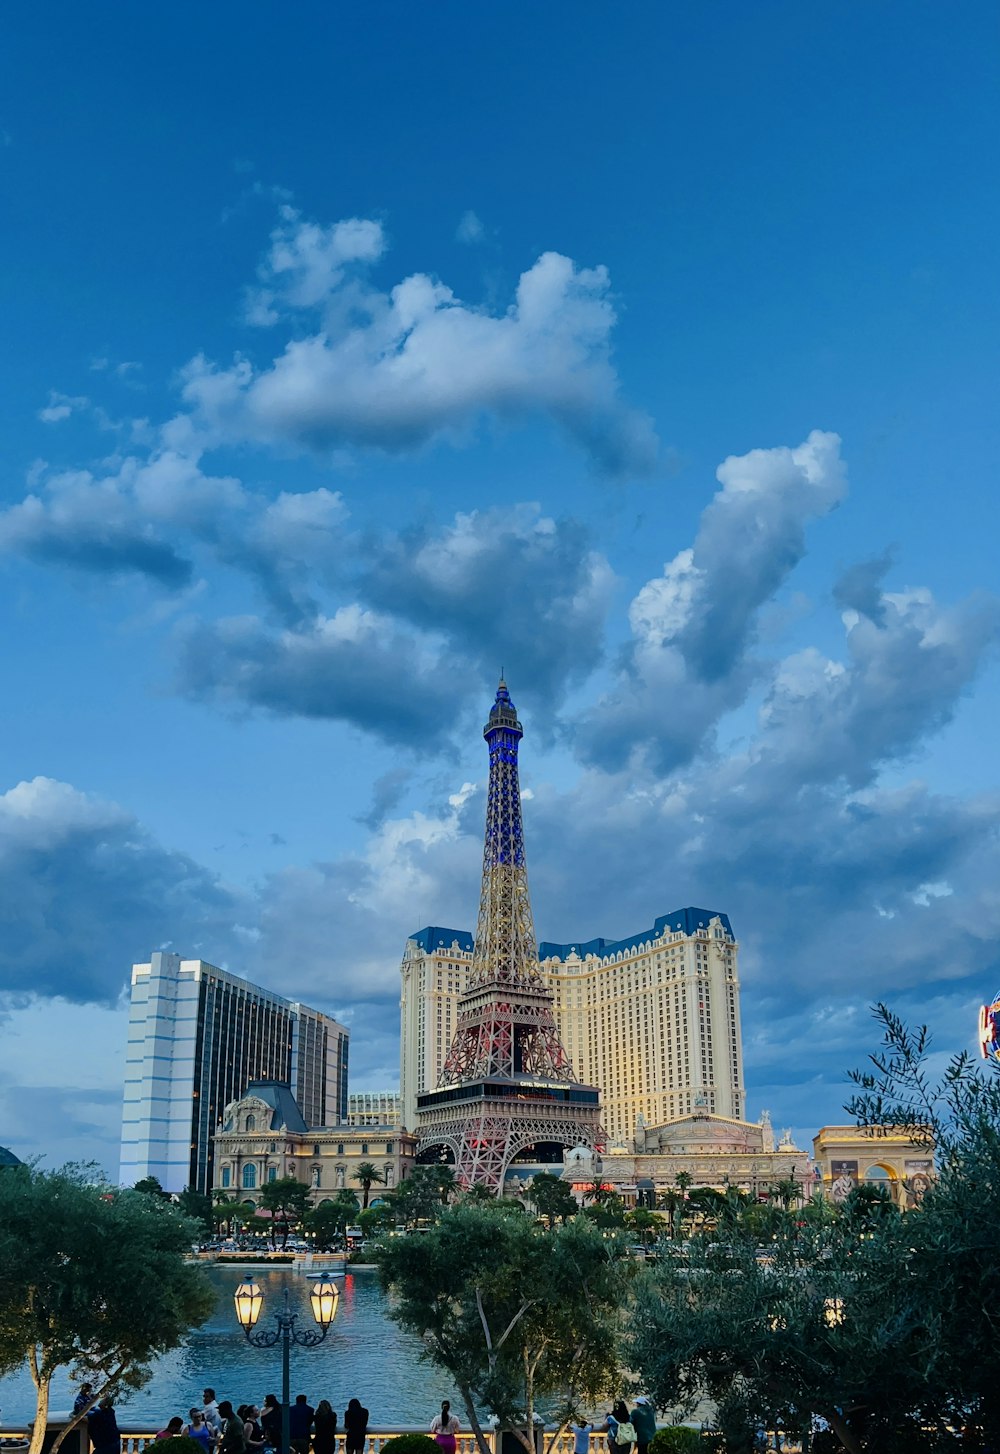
x,y
61,406
394,370
470,228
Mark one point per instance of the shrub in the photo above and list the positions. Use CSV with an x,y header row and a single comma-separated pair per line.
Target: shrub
x,y
177,1444
676,1439
410,1444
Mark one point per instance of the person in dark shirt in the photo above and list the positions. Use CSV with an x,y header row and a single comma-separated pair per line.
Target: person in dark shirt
x,y
300,1418
355,1427
325,1427
102,1426
270,1420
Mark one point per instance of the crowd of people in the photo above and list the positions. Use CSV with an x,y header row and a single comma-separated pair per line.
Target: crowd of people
x,y
247,1429
254,1429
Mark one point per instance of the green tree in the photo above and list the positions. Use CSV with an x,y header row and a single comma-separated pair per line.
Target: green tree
x,y
197,1206
329,1221
552,1198
287,1200
422,1196
644,1224
787,1193
951,1262
368,1175
91,1277
377,1219
683,1181
515,1315
151,1186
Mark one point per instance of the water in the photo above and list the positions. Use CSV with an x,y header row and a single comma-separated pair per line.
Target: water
x,y
365,1356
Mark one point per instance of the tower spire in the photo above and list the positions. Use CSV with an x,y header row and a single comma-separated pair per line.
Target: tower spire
x,y
506,1035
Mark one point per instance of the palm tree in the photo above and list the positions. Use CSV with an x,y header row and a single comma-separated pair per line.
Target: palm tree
x,y
785,1192
368,1175
682,1181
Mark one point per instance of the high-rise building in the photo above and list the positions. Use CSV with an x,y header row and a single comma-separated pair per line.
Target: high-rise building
x,y
373,1108
507,1090
197,1037
653,1019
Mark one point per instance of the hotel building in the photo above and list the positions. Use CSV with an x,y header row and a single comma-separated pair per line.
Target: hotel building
x,y
197,1037
373,1108
652,1020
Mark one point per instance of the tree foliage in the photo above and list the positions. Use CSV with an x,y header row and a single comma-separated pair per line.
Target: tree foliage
x,y
368,1175
91,1277
520,1317
552,1198
287,1200
884,1323
329,1221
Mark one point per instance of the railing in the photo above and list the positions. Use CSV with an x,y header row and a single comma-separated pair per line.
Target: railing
x,y
135,1440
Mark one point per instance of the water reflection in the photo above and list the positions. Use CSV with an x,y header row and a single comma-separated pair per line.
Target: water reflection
x,y
364,1356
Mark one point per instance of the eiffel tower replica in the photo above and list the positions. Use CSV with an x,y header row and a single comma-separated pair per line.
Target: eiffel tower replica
x,y
507,1085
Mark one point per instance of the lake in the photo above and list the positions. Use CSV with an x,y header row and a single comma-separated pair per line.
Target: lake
x,y
365,1356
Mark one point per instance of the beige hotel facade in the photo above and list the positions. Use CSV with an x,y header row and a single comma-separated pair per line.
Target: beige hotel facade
x,y
652,1020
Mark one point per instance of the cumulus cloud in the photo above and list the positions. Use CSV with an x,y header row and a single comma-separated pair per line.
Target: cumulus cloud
x,y
87,890
355,666
306,263
909,661
693,627
146,516
508,586
395,370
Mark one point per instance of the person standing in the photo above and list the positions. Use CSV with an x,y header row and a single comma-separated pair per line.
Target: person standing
x,y
355,1427
211,1411
252,1431
102,1426
83,1398
300,1419
270,1420
444,1427
233,1439
198,1429
620,1429
581,1436
325,1428
644,1423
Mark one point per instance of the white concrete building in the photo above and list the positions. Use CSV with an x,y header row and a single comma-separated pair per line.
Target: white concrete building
x,y
197,1037
652,1020
373,1108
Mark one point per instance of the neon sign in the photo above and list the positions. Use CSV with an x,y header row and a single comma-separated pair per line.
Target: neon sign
x,y
989,1030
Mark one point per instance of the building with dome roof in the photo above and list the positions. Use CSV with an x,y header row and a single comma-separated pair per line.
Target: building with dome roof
x,y
715,1151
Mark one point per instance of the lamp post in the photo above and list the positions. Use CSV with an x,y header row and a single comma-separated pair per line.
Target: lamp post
x,y
249,1300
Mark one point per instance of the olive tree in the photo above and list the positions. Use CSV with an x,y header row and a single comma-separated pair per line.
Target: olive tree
x,y
523,1319
94,1278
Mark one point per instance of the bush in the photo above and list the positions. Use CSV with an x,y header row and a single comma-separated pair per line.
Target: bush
x,y
410,1444
177,1444
676,1439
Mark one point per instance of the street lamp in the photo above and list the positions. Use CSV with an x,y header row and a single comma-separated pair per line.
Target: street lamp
x,y
249,1301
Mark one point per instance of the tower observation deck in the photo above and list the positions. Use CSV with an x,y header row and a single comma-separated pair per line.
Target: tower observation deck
x,y
507,1088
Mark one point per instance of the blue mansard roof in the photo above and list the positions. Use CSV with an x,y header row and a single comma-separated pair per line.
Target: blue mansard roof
x,y
433,938
681,921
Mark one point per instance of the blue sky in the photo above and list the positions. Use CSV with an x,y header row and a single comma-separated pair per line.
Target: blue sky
x,y
352,352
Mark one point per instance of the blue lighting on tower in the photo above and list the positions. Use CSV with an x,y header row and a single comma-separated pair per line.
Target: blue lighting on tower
x,y
504,834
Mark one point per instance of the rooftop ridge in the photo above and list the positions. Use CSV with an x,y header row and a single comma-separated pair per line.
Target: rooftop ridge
x,y
687,921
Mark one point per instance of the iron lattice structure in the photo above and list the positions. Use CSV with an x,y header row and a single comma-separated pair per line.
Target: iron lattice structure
x,y
507,1083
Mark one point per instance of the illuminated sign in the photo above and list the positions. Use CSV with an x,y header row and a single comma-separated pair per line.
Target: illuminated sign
x,y
989,1030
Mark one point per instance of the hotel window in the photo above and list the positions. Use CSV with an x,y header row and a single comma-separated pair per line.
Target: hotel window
x,y
225,1176
272,1173
249,1178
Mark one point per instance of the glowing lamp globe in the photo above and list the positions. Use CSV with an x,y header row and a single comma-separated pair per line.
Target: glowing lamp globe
x,y
324,1298
249,1300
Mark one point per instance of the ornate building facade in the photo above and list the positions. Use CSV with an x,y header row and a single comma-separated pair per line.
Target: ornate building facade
x,y
652,1020
507,1088
263,1136
889,1157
